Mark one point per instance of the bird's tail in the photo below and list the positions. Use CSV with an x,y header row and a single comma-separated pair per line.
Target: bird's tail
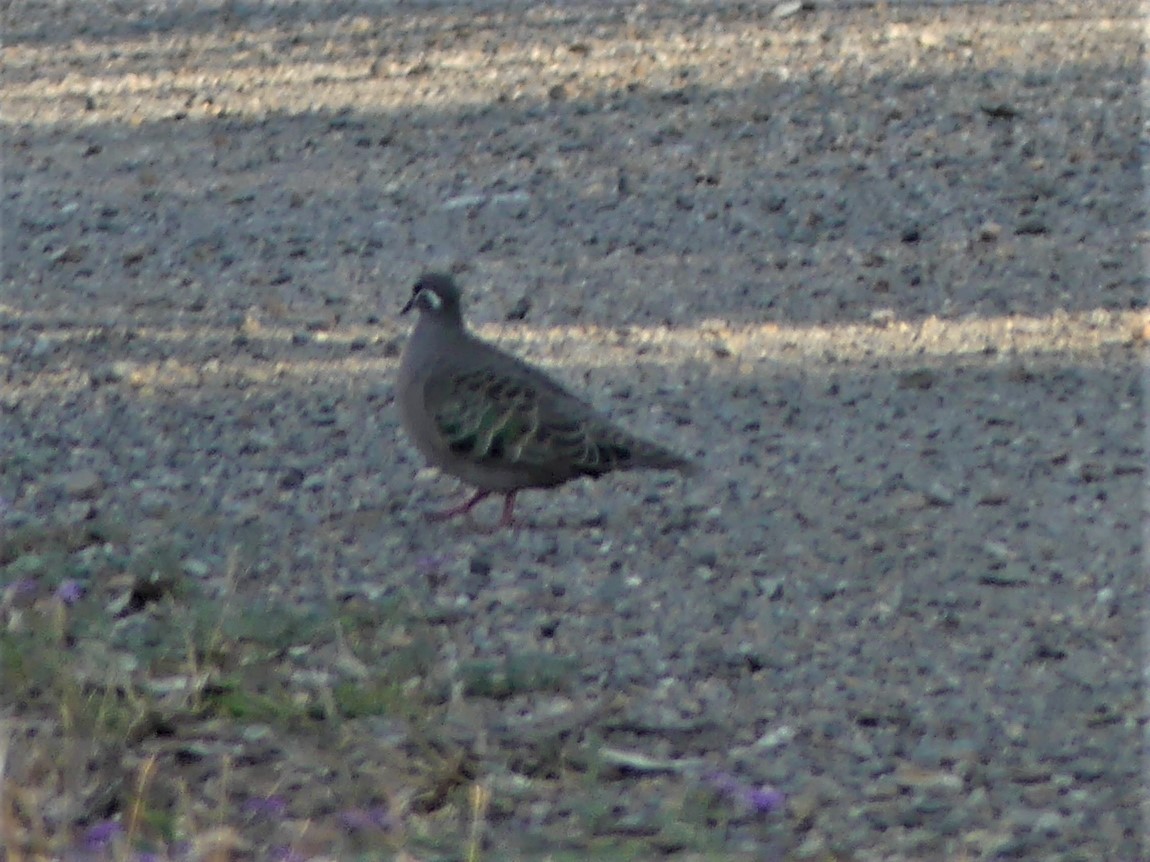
x,y
651,456
613,449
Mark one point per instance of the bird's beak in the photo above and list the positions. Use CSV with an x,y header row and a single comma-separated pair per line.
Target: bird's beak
x,y
407,306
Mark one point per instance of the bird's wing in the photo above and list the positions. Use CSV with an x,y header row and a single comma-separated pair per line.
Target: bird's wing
x,y
521,418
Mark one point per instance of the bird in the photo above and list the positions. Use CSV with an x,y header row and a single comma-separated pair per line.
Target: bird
x,y
496,422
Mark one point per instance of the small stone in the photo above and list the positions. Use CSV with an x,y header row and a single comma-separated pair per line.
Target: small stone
x,y
930,38
998,551
292,478
911,501
153,504
772,589
996,497
1092,471
721,350
519,310
786,10
1031,773
1049,822
460,202
883,317
510,204
911,234
1032,227
196,568
1010,575
989,231
69,254
82,484
134,256
910,775
922,378
813,847
939,494
999,110
1140,331
985,842
706,557
803,808
112,372
1089,769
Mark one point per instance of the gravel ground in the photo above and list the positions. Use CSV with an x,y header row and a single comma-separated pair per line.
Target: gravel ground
x,y
878,268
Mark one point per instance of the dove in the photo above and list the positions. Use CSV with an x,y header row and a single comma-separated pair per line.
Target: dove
x,y
495,422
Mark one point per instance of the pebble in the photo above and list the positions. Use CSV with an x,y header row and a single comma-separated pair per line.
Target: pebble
x,y
814,846
938,494
153,504
81,484
111,372
42,346
196,568
989,231
788,8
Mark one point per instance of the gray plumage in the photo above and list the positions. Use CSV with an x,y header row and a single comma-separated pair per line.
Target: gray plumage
x,y
496,422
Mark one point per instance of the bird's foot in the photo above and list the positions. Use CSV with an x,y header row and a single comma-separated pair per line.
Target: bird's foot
x,y
462,509
506,522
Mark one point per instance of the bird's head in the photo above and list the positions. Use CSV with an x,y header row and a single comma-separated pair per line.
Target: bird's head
x,y
436,294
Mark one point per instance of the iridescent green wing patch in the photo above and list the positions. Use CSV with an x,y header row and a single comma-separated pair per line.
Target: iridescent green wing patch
x,y
492,418
481,416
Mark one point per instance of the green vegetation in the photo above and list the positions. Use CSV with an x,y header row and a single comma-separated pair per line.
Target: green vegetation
x,y
154,715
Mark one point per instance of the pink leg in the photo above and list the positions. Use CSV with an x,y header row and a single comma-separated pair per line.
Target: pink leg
x,y
461,509
508,519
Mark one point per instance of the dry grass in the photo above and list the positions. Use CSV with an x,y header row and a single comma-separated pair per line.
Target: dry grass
x,y
146,720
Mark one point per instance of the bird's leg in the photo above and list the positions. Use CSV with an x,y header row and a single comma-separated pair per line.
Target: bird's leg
x,y
508,519
461,509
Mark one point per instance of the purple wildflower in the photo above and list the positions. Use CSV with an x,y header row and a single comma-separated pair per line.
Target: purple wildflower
x,y
762,800
102,834
266,806
20,589
765,799
429,564
725,783
70,592
378,818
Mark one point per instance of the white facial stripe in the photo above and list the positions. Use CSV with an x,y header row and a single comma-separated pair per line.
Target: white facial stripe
x,y
431,300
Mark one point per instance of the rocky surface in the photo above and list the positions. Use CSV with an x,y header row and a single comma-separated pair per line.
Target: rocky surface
x,y
878,268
